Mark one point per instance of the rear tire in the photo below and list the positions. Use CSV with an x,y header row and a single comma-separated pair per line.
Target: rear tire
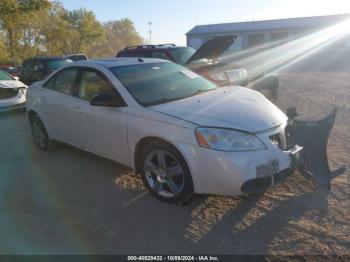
x,y
165,173
39,133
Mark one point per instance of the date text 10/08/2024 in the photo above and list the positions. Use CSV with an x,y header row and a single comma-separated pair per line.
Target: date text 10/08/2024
x,y
173,258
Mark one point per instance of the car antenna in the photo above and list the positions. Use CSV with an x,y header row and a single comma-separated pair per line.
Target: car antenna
x,y
140,60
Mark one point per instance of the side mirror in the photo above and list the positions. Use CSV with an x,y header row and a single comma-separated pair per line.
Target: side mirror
x,y
16,78
107,100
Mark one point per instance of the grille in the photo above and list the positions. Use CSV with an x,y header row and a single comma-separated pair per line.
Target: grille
x,y
6,93
278,141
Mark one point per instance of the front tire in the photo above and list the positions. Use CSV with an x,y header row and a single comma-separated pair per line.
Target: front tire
x,y
165,173
39,133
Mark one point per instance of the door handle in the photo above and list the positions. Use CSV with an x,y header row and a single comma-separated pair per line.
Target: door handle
x,y
42,99
77,109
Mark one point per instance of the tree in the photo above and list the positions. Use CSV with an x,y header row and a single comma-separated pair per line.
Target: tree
x,y
118,34
12,13
3,50
56,31
34,27
86,30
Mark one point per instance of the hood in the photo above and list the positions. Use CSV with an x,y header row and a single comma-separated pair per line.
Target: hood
x,y
11,84
228,107
214,48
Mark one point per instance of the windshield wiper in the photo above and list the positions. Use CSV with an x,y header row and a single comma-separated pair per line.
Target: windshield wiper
x,y
162,101
167,100
201,91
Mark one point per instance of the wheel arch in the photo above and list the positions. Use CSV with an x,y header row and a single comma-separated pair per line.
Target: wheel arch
x,y
189,186
144,142
31,113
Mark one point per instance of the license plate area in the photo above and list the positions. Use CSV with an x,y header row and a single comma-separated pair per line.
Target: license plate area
x,y
296,157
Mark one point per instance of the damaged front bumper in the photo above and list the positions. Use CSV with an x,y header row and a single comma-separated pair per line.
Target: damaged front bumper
x,y
237,173
296,145
15,106
18,101
269,176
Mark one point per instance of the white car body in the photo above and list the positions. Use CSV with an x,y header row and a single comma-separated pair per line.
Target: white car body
x,y
114,133
15,97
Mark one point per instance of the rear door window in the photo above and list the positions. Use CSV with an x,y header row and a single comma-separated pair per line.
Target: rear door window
x,y
64,81
50,84
92,84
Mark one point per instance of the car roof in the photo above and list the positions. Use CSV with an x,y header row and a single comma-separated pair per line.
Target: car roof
x,y
150,48
115,62
74,55
48,57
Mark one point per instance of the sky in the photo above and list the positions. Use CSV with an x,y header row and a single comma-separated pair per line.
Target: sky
x,y
171,20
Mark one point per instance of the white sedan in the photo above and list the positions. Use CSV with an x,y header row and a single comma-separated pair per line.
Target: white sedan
x,y
12,92
182,133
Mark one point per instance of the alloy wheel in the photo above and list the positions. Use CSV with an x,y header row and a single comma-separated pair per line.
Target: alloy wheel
x,y
39,133
164,173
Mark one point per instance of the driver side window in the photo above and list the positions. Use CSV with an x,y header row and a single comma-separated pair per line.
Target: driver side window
x,y
38,65
28,64
92,84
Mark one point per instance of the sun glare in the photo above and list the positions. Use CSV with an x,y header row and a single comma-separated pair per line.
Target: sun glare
x,y
279,55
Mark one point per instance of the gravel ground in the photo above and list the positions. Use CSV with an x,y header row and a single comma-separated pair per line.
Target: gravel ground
x,y
324,227
71,202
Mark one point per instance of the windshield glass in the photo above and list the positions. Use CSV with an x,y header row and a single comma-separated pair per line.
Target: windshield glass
x,y
4,76
157,83
182,55
55,64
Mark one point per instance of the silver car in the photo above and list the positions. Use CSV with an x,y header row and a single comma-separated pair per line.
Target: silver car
x,y
12,92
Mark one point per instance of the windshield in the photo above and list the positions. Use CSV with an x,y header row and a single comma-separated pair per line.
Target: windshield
x,y
55,64
182,55
4,76
157,83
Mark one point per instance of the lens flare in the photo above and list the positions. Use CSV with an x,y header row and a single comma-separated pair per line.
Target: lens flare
x,y
276,56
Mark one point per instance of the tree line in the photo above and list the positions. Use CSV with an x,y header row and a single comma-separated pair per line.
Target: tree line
x,y
42,27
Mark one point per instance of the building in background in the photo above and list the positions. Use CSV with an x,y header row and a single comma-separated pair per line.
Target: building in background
x,y
260,33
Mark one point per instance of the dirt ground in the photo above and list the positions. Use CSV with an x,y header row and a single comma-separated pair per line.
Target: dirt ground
x,y
71,202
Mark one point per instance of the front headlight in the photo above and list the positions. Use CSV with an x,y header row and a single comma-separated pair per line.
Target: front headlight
x,y
237,74
23,90
217,76
228,140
